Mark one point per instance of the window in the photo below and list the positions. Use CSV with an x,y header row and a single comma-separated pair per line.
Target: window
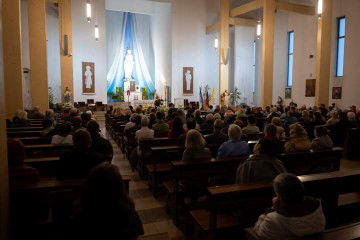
x,y
290,59
254,68
340,49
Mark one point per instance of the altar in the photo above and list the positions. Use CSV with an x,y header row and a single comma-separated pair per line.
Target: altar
x,y
132,91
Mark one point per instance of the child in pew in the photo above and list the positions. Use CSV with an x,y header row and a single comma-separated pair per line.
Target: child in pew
x,y
64,136
322,140
292,215
18,171
104,210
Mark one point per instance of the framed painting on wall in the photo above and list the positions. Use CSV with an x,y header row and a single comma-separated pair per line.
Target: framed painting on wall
x,y
310,88
88,77
188,81
336,92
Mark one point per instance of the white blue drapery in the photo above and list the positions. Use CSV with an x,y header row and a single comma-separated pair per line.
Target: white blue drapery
x,y
129,31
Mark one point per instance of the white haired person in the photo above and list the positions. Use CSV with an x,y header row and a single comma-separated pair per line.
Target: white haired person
x,y
235,146
293,215
195,147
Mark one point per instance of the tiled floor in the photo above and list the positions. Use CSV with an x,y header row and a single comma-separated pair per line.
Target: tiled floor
x,y
151,211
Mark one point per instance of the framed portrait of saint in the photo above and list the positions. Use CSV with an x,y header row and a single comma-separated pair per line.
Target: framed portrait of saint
x,y
88,77
336,92
310,88
188,81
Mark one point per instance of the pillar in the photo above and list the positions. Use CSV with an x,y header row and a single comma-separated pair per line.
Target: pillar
x,y
38,53
323,54
66,60
12,56
268,52
223,47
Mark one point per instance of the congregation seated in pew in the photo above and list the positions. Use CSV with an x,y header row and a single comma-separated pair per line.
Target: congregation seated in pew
x,y
292,215
98,143
195,147
322,140
77,162
262,166
217,137
161,128
298,140
235,146
64,136
104,209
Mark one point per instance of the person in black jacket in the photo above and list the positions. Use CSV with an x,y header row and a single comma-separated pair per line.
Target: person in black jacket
x,y
98,143
78,162
105,211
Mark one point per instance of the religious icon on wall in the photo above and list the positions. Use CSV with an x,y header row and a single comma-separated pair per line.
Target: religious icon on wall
x,y
287,93
310,88
88,77
188,81
336,92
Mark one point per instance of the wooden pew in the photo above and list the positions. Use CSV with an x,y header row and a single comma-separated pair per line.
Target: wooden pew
x,y
19,134
253,198
21,129
45,150
347,232
35,140
351,145
201,171
313,161
46,165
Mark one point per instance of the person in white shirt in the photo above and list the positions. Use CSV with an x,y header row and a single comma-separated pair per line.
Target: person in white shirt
x,y
292,215
144,132
64,136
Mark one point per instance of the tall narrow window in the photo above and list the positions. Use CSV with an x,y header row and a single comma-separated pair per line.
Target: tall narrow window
x,y
254,68
290,59
340,50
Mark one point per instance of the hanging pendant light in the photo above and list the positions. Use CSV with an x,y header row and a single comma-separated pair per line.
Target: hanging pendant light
x,y
96,32
88,10
258,29
320,8
216,43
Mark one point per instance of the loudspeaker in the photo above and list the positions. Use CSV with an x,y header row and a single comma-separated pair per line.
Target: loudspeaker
x,y
66,45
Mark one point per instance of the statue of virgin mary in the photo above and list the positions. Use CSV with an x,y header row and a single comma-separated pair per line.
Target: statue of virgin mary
x,y
128,65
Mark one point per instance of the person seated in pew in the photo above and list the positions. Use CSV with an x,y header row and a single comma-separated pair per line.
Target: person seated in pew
x,y
64,136
235,146
280,131
76,124
177,128
18,171
85,118
208,124
262,166
35,113
104,210
21,118
190,124
98,143
77,163
217,138
299,140
161,128
251,128
271,135
322,140
49,130
293,215
195,147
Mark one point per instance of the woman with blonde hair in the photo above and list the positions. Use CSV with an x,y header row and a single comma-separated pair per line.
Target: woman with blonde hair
x,y
195,147
299,140
21,118
280,131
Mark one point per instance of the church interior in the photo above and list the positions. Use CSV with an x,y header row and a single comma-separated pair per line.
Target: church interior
x,y
179,119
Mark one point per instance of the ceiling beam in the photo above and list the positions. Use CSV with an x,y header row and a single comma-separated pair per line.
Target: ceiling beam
x,y
213,28
248,7
298,8
243,22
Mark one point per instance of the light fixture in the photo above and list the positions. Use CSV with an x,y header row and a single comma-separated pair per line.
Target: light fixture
x,y
96,32
320,7
88,10
216,43
258,29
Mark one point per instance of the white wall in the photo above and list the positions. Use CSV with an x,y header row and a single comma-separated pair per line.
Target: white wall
x,y
53,51
161,40
188,44
87,49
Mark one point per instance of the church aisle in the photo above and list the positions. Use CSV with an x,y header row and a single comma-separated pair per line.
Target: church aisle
x,y
151,211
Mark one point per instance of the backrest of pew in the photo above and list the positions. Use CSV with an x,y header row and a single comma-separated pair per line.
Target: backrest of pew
x,y
19,134
352,146
22,129
35,140
312,162
45,150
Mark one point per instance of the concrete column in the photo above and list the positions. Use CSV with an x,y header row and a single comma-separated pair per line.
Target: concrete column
x,y
223,47
38,53
12,56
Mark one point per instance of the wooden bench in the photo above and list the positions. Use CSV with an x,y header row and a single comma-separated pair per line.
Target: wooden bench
x,y
46,166
347,232
352,146
20,129
45,150
19,134
35,140
312,162
253,198
157,236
